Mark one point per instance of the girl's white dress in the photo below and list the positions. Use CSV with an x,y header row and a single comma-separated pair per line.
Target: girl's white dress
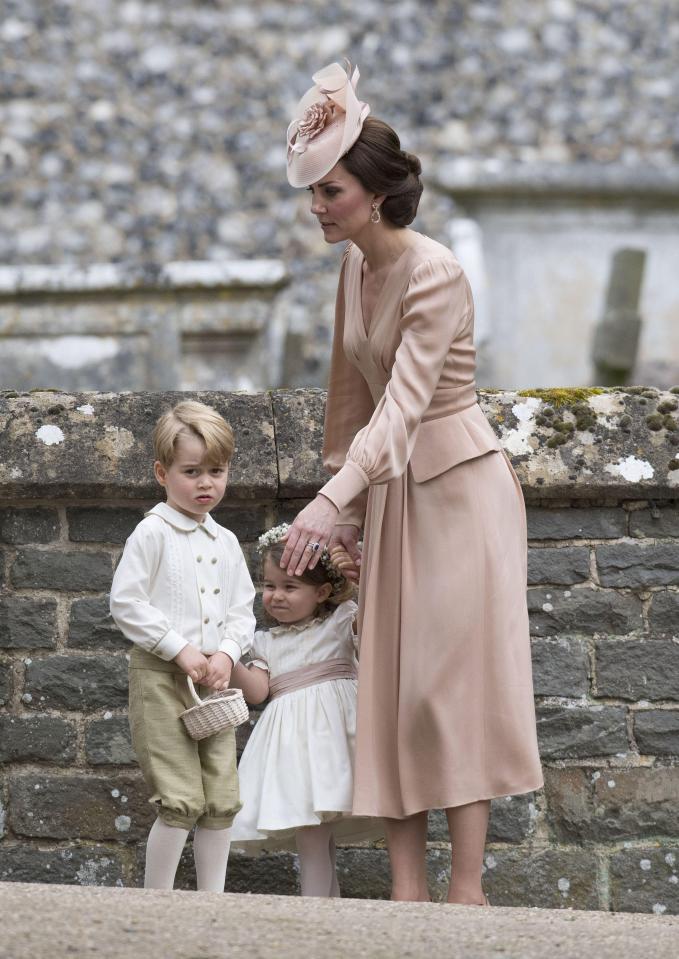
x,y
297,768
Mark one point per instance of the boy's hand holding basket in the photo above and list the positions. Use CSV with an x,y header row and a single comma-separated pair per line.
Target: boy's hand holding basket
x,y
221,710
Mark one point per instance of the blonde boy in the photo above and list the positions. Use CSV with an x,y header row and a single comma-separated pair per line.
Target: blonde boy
x,y
183,595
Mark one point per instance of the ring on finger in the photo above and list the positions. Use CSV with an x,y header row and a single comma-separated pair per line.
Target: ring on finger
x,y
314,547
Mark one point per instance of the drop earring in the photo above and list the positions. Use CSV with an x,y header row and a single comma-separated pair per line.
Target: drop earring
x,y
375,216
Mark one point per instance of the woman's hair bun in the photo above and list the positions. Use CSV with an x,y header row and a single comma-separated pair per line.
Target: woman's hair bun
x,y
413,162
378,161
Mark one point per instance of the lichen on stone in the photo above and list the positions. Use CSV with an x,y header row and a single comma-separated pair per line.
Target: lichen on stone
x,y
563,396
631,469
49,434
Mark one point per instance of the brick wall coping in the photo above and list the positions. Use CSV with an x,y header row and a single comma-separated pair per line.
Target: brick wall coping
x,y
564,444
491,176
106,277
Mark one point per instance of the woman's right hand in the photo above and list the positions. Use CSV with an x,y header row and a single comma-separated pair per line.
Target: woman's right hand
x,y
343,542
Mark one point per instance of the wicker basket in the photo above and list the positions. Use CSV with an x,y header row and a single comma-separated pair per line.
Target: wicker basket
x,y
216,712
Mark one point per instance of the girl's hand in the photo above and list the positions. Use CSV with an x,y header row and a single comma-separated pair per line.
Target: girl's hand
x,y
343,562
219,671
313,525
344,550
253,679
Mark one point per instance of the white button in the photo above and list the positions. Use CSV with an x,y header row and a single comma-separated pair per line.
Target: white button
x,y
215,591
202,589
214,559
207,619
199,559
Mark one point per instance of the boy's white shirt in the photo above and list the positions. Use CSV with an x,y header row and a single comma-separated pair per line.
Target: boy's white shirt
x,y
181,581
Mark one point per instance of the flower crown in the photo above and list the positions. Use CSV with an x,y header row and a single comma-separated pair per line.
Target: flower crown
x,y
277,534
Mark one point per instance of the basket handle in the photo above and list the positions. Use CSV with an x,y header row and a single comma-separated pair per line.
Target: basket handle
x,y
196,698
192,690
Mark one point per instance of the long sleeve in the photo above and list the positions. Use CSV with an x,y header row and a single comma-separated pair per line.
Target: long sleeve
x,y
349,407
435,309
239,625
133,613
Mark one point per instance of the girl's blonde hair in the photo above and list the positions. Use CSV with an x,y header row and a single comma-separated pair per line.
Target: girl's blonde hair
x,y
190,418
342,588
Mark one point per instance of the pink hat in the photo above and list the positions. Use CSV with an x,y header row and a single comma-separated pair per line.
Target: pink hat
x,y
328,120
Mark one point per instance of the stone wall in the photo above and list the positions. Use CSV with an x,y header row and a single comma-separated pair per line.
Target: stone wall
x,y
600,474
148,132
108,326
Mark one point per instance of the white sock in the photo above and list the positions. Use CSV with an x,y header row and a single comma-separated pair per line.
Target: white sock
x,y
316,851
163,852
211,854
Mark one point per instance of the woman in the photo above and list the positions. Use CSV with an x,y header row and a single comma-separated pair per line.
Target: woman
x,y
445,702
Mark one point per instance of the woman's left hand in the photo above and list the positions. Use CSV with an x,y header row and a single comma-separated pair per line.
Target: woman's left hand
x,y
312,526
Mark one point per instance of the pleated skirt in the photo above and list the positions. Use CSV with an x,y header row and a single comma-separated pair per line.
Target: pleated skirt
x,y
445,697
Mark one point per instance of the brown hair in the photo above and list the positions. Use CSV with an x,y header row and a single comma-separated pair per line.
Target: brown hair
x,y
191,418
342,588
377,160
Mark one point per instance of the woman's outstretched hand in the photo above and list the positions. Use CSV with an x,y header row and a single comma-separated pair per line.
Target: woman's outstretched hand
x,y
313,525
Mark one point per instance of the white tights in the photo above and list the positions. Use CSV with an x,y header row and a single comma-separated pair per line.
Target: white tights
x,y
316,851
164,849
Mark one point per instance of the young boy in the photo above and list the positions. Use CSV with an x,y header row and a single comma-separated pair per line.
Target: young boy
x,y
183,595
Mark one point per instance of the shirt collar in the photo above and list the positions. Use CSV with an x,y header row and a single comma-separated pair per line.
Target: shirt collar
x,y
295,628
183,522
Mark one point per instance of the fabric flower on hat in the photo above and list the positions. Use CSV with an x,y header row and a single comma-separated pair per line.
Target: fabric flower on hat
x,y
315,118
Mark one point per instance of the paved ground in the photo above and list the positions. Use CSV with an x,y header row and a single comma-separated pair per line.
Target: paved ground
x,y
72,922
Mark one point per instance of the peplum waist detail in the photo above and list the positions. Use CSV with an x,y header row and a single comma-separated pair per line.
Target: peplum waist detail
x,y
446,440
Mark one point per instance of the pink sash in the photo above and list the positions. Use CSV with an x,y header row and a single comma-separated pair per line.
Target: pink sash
x,y
311,675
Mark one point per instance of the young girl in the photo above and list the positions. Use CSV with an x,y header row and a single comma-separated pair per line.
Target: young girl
x,y
296,772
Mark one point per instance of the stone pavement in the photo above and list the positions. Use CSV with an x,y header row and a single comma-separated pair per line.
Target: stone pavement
x,y
71,922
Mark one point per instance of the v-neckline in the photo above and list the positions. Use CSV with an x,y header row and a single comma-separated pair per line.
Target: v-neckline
x,y
365,327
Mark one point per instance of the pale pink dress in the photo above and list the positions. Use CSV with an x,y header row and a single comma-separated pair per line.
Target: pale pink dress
x,y
445,698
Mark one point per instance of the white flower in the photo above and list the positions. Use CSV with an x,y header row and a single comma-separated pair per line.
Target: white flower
x,y
272,536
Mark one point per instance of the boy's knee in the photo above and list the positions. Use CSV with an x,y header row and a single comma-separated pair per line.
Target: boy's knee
x,y
220,815
181,820
209,816
211,821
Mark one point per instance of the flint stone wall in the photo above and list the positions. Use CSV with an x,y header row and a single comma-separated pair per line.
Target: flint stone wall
x,y
148,132
156,132
599,470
